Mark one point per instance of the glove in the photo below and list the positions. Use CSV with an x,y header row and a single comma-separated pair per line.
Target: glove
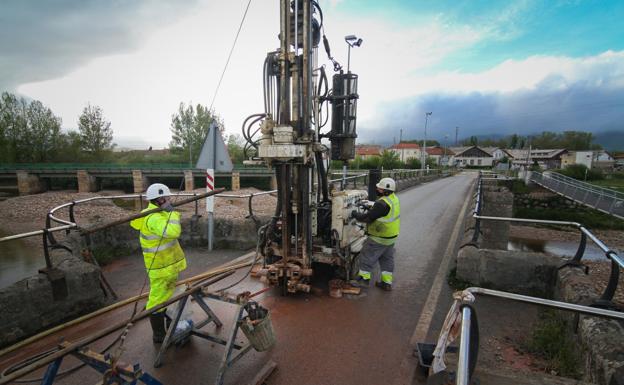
x,y
353,213
167,207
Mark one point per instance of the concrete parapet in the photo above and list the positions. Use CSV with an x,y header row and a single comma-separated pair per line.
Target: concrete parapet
x,y
139,181
513,271
235,181
497,202
601,339
86,182
28,306
189,181
29,183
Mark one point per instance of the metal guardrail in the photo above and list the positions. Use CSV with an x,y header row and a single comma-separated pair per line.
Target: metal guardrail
x,y
600,198
467,362
599,308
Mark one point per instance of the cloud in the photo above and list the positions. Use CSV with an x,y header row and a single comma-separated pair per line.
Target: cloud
x,y
46,40
527,96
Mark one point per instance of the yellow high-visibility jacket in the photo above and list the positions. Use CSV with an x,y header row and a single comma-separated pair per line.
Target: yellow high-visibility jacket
x,y
159,233
385,230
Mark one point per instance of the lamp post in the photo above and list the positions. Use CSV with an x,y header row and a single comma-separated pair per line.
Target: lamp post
x,y
424,152
352,41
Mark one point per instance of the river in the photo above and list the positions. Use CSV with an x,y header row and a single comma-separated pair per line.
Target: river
x,y
562,248
18,260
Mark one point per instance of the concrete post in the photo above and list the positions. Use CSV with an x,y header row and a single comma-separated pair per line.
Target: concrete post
x,y
139,181
189,181
497,202
273,182
235,181
29,183
86,182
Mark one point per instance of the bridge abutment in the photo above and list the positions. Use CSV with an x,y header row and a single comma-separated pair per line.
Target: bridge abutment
x,y
140,181
235,181
189,181
29,183
86,182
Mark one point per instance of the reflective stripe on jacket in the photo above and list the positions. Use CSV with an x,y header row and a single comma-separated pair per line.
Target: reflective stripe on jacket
x,y
386,229
159,233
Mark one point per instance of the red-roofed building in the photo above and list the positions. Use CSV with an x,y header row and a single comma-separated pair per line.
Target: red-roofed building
x,y
367,151
406,151
440,155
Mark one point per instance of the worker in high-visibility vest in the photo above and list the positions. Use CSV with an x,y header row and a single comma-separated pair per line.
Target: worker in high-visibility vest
x,y
383,225
162,254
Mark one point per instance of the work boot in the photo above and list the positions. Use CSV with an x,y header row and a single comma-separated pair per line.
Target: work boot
x,y
360,282
157,320
384,285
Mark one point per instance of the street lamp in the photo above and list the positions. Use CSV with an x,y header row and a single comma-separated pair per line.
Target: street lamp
x,y
352,41
424,154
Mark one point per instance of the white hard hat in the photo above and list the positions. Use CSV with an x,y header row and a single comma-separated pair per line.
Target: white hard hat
x,y
387,184
157,190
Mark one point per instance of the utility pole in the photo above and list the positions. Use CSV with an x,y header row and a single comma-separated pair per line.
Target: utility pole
x,y
401,135
456,132
424,150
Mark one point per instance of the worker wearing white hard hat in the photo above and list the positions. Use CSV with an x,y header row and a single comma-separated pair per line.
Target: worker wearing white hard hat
x,y
384,224
162,254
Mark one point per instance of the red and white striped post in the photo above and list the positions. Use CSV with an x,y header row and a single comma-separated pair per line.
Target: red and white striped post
x,y
210,186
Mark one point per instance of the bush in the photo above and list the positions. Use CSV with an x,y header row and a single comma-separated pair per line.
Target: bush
x,y
581,172
550,341
589,218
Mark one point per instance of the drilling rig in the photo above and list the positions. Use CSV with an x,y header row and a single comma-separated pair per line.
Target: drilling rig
x,y
311,224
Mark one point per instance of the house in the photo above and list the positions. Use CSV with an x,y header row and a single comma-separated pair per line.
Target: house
x,y
546,159
442,155
497,153
603,160
472,156
406,151
618,158
368,151
577,157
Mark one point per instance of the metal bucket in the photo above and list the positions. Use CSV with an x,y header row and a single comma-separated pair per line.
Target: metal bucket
x,y
259,333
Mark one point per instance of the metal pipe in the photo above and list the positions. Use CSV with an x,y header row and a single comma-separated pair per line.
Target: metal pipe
x,y
233,265
549,303
37,232
464,348
148,212
96,336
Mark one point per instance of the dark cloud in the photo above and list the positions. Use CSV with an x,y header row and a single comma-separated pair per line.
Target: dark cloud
x,y
580,107
41,40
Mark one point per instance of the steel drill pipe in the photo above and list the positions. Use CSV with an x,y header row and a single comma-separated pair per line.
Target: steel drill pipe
x,y
145,213
233,265
85,341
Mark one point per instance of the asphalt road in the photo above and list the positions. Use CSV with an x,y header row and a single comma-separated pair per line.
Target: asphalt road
x,y
361,339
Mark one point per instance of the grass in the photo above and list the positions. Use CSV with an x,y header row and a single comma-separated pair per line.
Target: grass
x,y
550,341
616,184
592,219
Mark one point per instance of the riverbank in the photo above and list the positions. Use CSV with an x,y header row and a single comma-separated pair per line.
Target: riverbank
x,y
599,271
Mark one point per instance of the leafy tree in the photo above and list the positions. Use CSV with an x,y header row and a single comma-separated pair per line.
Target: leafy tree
x,y
44,133
235,145
513,141
13,128
96,134
189,128
413,163
390,160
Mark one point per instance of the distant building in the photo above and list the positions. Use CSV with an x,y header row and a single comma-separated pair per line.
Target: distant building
x,y
368,151
577,157
406,151
472,156
546,159
603,160
442,156
497,153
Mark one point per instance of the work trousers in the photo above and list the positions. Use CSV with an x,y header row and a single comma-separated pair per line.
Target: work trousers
x,y
161,289
373,252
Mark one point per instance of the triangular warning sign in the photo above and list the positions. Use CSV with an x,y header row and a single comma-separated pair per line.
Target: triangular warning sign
x,y
214,153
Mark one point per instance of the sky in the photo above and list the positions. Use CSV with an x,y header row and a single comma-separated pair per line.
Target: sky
x,y
483,67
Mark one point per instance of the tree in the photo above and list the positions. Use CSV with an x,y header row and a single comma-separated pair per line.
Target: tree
x,y
96,134
235,144
390,160
44,132
189,128
413,163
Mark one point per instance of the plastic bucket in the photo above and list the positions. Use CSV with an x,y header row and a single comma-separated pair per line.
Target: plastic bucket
x,y
260,334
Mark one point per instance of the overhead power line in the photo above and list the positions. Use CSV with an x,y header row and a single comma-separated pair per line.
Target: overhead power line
x,y
229,56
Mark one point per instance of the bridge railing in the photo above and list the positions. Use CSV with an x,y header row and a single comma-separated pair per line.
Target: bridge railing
x,y
469,338
467,351
600,198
